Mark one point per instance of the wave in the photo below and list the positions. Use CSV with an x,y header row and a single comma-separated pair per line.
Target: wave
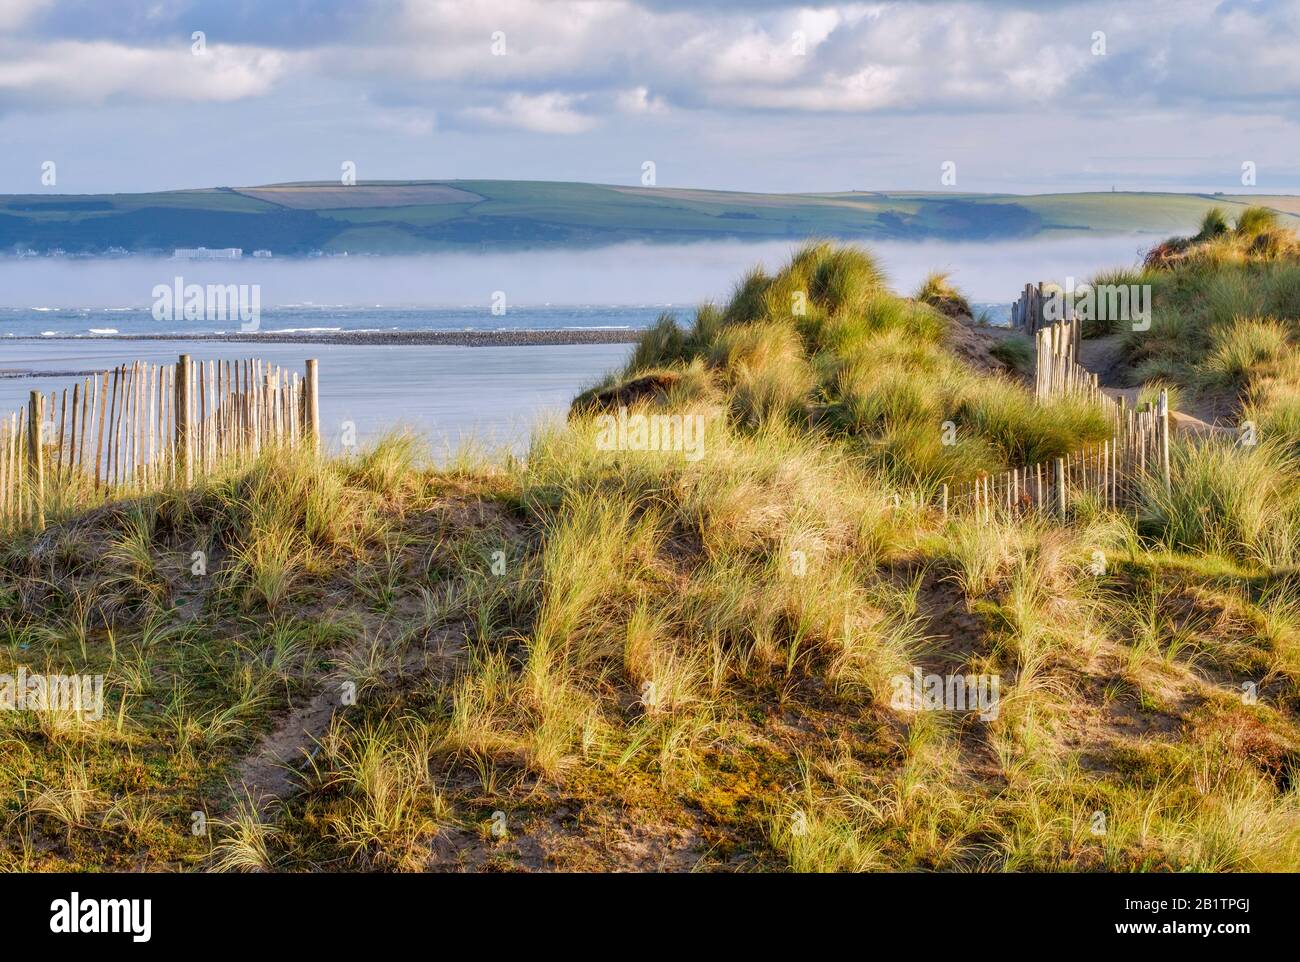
x,y
303,330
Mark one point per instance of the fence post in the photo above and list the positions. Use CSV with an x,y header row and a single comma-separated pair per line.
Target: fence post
x,y
1038,367
311,405
36,456
1162,418
1060,487
184,469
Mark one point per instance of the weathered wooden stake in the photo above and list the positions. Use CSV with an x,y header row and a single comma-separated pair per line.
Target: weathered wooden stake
x,y
36,456
184,412
311,407
1162,416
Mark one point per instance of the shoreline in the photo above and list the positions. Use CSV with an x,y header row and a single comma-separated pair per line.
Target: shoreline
x,y
14,373
524,338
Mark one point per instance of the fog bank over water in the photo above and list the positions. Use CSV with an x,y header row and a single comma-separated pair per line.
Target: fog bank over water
x,y
633,274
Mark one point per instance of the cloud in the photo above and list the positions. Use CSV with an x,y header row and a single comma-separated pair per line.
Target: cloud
x,y
75,72
563,66
17,13
547,113
832,58
638,100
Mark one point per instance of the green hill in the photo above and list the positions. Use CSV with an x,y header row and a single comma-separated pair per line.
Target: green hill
x,y
393,217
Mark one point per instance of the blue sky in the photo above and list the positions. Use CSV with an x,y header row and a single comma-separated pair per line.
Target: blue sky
x,y
757,95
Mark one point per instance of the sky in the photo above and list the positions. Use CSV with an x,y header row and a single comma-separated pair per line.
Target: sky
x,y
759,95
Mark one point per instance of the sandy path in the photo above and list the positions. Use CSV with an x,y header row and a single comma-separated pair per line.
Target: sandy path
x,y
1198,415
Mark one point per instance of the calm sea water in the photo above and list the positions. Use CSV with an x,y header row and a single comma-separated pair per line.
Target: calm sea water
x,y
84,322
55,321
492,395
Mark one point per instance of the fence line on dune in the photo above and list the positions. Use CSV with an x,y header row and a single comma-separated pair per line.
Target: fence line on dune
x,y
1030,313
1112,472
140,426
1057,371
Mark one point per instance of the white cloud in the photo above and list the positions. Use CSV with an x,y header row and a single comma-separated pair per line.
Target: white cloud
x,y
871,88
569,63
455,40
638,100
548,113
15,13
855,58
76,73
755,57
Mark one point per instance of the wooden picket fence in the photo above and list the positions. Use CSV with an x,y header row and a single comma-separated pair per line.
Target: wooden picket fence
x,y
1029,312
1057,371
1111,473
141,426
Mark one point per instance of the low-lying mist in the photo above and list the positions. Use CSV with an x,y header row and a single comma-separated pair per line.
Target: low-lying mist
x,y
628,274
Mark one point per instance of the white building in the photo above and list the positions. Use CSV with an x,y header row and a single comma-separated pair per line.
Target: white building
x,y
206,254
262,253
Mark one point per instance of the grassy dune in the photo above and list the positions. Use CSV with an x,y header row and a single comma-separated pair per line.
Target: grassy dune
x,y
1225,321
597,659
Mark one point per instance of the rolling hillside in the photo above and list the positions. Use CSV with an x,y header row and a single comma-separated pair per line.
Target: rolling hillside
x,y
416,216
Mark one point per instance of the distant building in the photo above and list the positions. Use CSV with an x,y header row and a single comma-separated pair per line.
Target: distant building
x,y
206,254
262,253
